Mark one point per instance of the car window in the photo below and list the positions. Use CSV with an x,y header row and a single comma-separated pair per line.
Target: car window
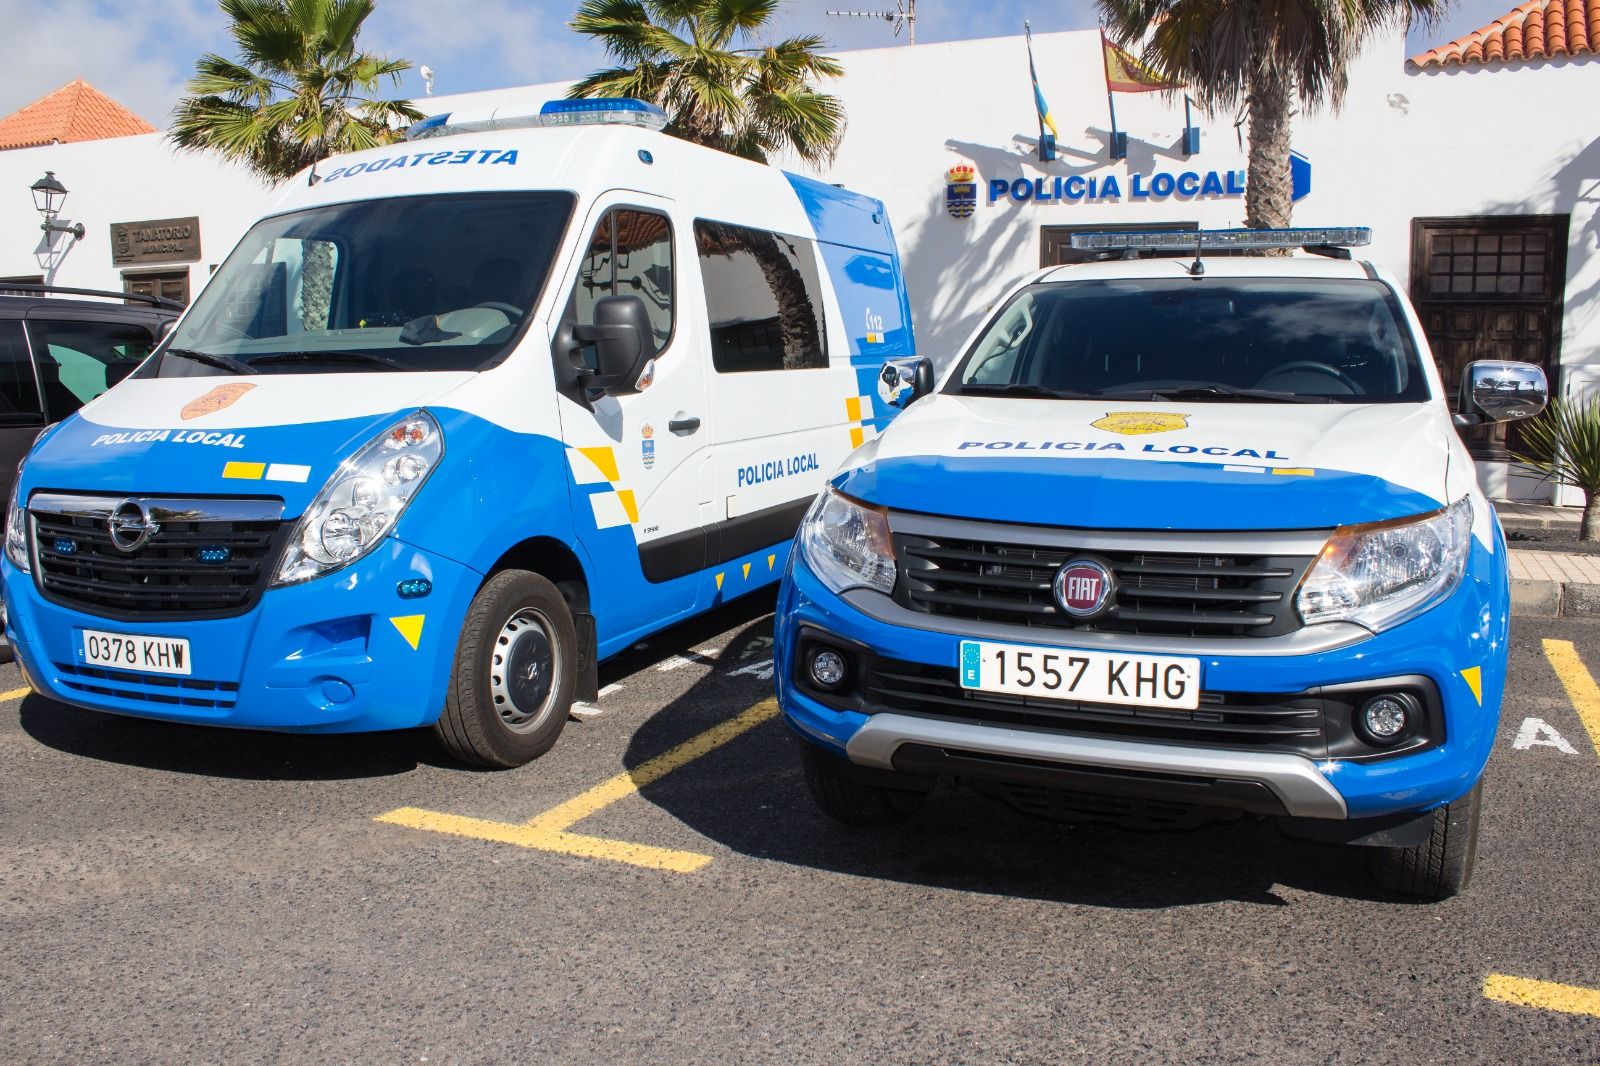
x,y
763,297
80,360
19,393
629,254
1334,340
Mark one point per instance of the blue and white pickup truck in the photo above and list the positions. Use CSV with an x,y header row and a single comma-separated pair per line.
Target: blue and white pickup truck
x,y
1170,541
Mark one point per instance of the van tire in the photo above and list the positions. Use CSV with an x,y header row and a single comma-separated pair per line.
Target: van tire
x,y
1440,867
492,717
851,801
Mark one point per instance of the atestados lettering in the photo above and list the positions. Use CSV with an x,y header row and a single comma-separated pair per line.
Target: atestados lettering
x,y
1216,450
462,157
171,436
761,473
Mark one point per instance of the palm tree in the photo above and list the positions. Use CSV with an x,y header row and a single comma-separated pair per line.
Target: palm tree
x,y
753,101
299,93
1563,445
1268,54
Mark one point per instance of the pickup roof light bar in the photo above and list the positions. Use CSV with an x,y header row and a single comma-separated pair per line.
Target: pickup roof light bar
x,y
609,111
1193,240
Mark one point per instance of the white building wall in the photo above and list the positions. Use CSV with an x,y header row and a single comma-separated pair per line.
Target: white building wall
x,y
1506,140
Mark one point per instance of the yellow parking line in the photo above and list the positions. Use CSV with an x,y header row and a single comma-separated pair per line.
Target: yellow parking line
x,y
1580,686
1545,995
549,831
16,693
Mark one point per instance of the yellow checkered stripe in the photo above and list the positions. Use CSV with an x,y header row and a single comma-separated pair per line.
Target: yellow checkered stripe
x,y
857,411
613,506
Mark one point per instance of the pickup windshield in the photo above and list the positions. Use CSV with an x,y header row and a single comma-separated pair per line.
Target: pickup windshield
x,y
408,283
1225,340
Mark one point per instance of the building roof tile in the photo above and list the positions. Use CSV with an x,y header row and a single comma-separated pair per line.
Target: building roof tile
x,y
1538,29
75,112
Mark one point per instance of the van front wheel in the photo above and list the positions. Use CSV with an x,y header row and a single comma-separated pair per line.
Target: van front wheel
x,y
515,666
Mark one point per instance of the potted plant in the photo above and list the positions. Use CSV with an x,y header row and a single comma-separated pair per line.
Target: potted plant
x,y
1563,445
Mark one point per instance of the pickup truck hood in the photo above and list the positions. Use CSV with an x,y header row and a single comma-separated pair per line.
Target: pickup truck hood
x,y
267,435
1194,466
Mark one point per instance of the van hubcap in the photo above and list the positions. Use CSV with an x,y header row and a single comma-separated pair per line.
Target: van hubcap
x,y
524,673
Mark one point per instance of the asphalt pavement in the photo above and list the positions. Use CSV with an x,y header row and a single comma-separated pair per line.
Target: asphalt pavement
x,y
660,888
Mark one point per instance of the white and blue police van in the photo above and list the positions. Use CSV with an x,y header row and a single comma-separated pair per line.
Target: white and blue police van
x,y
1172,541
459,418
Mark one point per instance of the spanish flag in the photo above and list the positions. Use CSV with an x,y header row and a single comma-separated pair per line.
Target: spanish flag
x,y
1125,74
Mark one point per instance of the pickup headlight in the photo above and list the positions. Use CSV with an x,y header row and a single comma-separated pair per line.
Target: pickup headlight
x,y
1382,574
17,528
363,499
847,543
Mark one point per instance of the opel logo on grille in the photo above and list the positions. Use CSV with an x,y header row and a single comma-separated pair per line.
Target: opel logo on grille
x,y
1084,588
131,526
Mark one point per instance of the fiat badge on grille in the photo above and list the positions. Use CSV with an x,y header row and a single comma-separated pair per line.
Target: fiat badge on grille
x,y
1084,588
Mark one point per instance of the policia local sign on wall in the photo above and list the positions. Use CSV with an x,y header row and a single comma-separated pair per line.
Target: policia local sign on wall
x,y
162,240
963,185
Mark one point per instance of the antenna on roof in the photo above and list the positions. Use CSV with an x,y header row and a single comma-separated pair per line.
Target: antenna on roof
x,y
904,14
427,78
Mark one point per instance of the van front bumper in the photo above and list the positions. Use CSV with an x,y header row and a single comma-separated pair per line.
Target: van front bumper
x,y
331,655
1459,646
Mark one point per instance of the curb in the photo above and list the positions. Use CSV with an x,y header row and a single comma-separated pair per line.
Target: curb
x,y
1554,599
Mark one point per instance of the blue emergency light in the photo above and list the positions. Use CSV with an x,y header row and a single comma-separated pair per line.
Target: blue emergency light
x,y
606,111
1192,240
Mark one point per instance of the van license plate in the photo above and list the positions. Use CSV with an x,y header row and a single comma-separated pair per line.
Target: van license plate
x,y
124,651
1090,676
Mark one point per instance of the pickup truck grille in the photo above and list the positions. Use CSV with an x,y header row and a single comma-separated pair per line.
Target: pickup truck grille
x,y
205,559
1008,579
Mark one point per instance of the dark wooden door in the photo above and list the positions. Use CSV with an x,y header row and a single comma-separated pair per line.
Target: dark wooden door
x,y
172,285
1490,288
1055,242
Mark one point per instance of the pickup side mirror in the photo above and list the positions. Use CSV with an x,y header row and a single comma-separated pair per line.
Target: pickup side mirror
x,y
622,345
903,380
1501,391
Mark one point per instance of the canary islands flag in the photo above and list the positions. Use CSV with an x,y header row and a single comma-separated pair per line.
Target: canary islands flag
x,y
1047,123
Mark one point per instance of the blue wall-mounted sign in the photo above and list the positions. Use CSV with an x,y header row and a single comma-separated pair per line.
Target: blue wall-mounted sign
x,y
1159,185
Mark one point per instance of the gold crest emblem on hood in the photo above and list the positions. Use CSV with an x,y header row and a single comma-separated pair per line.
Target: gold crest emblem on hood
x,y
1132,423
215,400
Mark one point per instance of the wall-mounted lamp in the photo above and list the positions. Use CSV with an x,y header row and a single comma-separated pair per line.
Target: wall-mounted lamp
x,y
48,196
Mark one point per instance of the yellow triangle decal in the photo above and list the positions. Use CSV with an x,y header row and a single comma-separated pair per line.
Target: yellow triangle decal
x,y
1474,679
625,497
410,627
719,582
603,458
747,571
770,560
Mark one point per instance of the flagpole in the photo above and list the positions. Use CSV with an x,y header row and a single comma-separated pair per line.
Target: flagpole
x,y
1111,104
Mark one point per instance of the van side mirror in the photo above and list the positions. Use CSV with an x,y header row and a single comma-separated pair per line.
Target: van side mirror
x,y
622,343
903,380
1502,391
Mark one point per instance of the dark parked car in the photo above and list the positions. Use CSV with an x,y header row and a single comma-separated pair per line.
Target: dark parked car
x,y
58,353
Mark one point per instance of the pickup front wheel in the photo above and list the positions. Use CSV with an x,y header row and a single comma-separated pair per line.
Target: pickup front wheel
x,y
1441,867
515,667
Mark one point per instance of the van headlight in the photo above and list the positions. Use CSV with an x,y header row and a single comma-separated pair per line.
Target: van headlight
x,y
1385,573
17,527
363,499
847,543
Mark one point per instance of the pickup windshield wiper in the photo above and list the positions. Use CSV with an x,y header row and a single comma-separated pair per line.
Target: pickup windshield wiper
x,y
1020,389
221,362
353,357
1223,392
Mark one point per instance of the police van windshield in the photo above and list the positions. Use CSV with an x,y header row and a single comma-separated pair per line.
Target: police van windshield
x,y
408,283
1289,340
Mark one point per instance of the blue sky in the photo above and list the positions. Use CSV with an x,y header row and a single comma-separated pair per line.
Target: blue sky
x,y
140,52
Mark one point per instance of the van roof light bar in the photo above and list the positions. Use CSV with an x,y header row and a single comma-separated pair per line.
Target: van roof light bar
x,y
1221,239
609,111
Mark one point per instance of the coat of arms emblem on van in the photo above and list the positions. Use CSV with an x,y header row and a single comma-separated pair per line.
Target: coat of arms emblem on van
x,y
1133,423
215,400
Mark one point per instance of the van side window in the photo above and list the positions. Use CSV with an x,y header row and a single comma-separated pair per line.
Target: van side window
x,y
630,254
763,297
19,392
80,360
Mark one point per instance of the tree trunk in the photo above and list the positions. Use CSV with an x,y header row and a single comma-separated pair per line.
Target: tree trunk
x,y
1590,529
316,283
797,319
1268,188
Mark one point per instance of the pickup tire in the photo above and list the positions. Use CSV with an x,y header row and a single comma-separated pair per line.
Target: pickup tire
x,y
515,667
1441,867
851,801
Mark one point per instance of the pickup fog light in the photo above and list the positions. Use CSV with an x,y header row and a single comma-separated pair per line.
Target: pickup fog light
x,y
1385,573
1386,719
363,500
847,543
827,668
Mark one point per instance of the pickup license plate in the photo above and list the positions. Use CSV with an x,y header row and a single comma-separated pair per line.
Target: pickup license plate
x,y
147,655
1089,676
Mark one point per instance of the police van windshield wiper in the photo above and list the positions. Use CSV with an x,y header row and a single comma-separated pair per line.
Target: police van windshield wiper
x,y
221,362
1017,388
1222,392
354,357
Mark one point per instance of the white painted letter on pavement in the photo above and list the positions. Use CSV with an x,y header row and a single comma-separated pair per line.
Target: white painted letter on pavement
x,y
1537,733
